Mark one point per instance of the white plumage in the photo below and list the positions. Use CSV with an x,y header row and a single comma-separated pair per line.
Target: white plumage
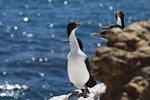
x,y
77,70
77,62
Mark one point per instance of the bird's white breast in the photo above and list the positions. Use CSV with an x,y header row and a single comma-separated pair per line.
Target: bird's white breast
x,y
77,70
119,22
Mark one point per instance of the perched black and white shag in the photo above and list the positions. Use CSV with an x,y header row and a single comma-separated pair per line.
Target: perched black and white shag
x,y
119,24
119,21
77,62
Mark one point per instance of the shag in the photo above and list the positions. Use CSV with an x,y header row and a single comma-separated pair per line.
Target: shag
x,y
79,71
119,24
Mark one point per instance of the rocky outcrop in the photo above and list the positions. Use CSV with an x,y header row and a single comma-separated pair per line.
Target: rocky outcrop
x,y
95,93
124,63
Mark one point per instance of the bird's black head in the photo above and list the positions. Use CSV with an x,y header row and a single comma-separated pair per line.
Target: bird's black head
x,y
71,26
121,15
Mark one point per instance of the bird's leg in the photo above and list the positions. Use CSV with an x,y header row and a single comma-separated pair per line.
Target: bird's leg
x,y
84,92
73,88
73,93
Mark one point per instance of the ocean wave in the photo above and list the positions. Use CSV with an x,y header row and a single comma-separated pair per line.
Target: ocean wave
x,y
12,90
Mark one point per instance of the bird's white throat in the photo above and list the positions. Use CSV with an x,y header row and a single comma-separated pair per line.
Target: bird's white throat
x,y
74,46
119,22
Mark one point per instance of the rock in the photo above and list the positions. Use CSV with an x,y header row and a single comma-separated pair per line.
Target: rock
x,y
123,61
95,93
136,88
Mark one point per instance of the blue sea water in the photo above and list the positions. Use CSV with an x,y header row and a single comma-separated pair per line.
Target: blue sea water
x,y
32,56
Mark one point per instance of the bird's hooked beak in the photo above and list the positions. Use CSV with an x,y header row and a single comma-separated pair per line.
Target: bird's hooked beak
x,y
118,13
79,24
95,34
65,41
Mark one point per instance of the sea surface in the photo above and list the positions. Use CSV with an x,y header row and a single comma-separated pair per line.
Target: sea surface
x,y
32,56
